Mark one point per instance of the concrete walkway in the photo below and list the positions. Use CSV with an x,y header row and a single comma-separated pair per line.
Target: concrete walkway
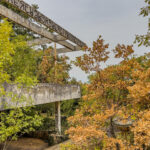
x,y
57,147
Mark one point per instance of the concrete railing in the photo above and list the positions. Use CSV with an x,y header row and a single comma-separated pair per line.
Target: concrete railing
x,y
40,94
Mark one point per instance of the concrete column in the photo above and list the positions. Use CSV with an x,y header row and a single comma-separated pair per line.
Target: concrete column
x,y
58,117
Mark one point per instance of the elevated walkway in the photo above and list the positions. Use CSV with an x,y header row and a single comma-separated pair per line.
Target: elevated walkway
x,y
38,95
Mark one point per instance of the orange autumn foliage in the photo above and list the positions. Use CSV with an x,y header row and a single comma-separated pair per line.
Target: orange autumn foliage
x,y
51,72
141,130
120,91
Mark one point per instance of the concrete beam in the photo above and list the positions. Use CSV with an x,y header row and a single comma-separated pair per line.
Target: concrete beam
x,y
66,50
40,41
40,94
63,50
33,27
67,45
60,38
39,17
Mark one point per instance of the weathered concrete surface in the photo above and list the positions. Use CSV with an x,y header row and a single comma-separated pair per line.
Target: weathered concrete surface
x,y
35,28
40,94
63,50
43,41
58,117
40,41
39,17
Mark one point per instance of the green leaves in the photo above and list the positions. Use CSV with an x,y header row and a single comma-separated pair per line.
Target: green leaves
x,y
6,49
17,65
18,121
144,39
145,11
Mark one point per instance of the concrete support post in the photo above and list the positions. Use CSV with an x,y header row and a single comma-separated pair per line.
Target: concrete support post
x,y
58,117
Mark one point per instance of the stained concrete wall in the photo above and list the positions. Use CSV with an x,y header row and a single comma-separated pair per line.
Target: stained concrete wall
x,y
40,94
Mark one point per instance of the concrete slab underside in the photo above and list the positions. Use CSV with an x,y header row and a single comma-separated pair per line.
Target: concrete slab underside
x,y
40,94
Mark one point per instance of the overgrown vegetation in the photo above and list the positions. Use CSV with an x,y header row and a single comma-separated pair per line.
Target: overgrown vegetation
x,y
17,121
115,109
25,67
114,112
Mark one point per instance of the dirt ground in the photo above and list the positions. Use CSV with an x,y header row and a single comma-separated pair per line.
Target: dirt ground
x,y
30,144
26,144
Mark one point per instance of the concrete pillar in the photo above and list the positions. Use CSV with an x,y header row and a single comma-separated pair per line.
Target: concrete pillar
x,y
58,117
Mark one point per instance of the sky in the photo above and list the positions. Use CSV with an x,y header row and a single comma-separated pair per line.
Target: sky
x,y
118,21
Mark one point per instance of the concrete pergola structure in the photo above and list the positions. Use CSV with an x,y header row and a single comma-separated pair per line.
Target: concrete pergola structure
x,y
59,35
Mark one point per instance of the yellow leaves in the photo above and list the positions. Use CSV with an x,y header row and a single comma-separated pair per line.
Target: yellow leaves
x,y
136,74
121,84
85,97
86,136
140,92
94,56
49,71
6,49
127,85
141,75
89,130
123,51
141,129
110,144
145,75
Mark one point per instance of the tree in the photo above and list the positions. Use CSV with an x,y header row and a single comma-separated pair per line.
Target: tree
x,y
49,72
144,39
17,121
118,92
114,112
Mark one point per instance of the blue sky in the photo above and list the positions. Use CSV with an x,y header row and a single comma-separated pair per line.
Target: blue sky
x,y
118,21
